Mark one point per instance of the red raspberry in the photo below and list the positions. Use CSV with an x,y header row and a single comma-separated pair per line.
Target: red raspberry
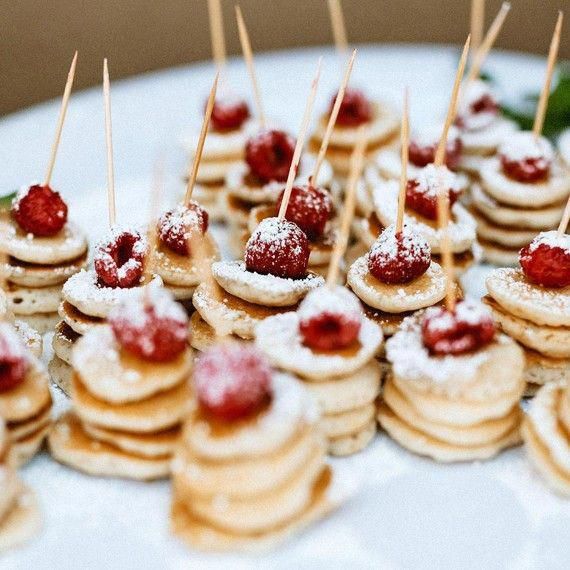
x,y
546,260
310,208
269,155
40,211
177,227
278,248
422,155
399,258
229,115
151,326
330,319
484,104
119,262
232,380
355,109
13,361
527,170
467,329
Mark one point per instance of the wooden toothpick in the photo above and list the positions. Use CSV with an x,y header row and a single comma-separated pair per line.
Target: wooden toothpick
x,y
545,93
200,147
483,51
109,141
440,153
565,219
404,141
356,165
300,143
477,23
61,119
217,33
446,254
332,120
338,26
248,56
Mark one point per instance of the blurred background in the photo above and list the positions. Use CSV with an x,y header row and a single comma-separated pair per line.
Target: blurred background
x,y
38,38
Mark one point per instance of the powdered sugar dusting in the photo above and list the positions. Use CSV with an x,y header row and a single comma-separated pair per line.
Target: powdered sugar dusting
x,y
551,239
430,135
472,93
431,178
468,311
336,300
409,243
524,145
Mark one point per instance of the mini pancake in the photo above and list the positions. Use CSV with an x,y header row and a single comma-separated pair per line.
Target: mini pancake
x,y
78,322
24,450
417,442
363,200
542,306
182,294
179,270
41,323
278,337
212,196
237,212
261,289
60,373
527,195
472,163
122,377
366,231
498,255
540,369
422,292
20,430
158,413
519,217
63,341
354,252
38,275
389,165
21,523
70,445
506,236
347,423
484,142
202,334
353,443
30,300
67,245
549,341
229,314
30,337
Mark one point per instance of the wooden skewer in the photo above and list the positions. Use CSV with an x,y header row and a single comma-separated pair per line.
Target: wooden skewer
x,y
300,143
200,147
61,119
483,51
446,254
404,141
356,165
565,219
338,26
440,153
545,93
332,120
109,141
248,56
477,23
217,33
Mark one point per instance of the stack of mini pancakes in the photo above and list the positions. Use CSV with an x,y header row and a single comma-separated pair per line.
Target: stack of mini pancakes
x,y
536,317
19,513
452,408
127,412
251,484
546,433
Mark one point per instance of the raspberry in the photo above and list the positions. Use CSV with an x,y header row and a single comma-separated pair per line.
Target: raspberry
x,y
151,326
229,115
310,208
329,319
278,248
232,380
527,170
355,109
467,329
13,361
39,211
546,260
269,155
399,258
119,262
485,104
422,155
179,226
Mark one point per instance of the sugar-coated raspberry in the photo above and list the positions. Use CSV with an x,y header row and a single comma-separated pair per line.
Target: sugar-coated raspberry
x,y
526,170
119,261
151,325
526,158
399,257
39,210
355,109
423,154
269,155
478,106
278,248
229,114
466,329
546,260
232,380
330,319
179,226
13,360
310,208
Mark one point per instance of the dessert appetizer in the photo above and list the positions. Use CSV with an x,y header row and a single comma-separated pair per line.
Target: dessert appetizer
x,y
20,517
31,338
272,277
252,442
25,400
130,391
42,247
454,389
523,189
